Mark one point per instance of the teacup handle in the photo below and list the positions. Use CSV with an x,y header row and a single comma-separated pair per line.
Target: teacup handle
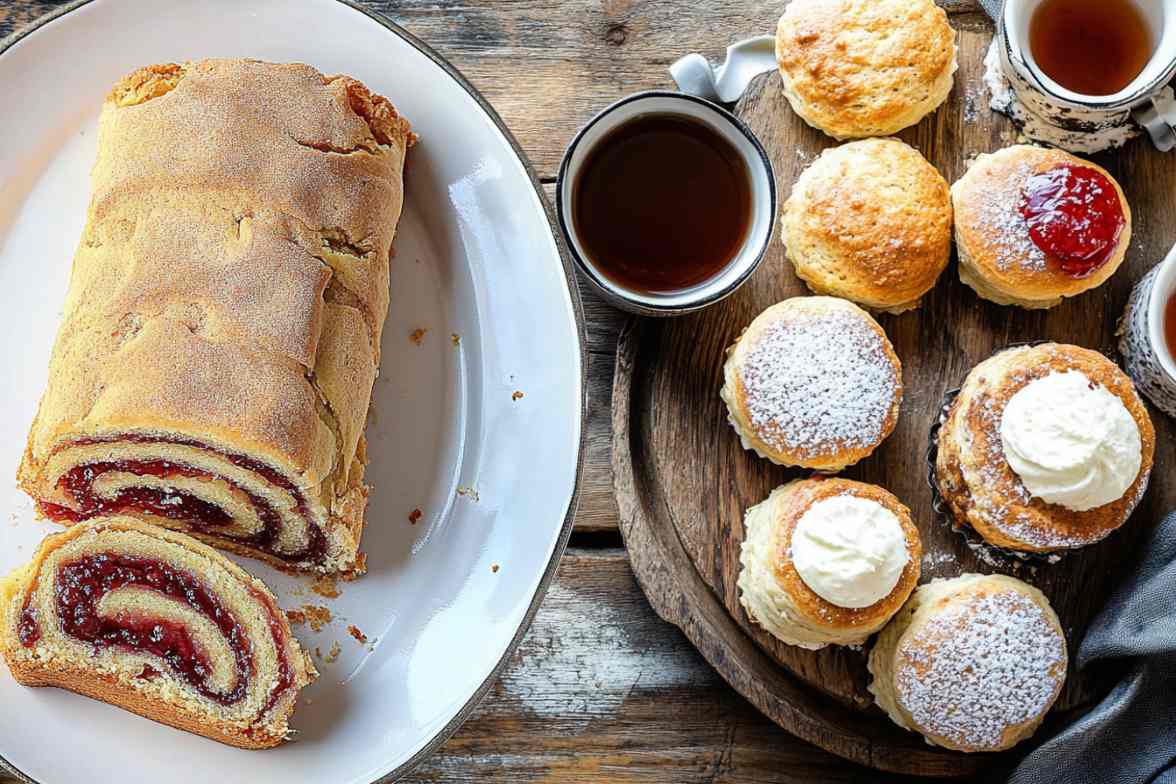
x,y
1158,115
725,84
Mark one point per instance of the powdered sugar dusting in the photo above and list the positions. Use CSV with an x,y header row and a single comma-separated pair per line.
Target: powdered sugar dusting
x,y
998,210
818,382
980,667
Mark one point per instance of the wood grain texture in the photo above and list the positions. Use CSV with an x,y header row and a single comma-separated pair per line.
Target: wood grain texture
x,y
604,691
684,480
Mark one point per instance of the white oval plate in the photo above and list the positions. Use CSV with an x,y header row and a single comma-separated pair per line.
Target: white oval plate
x,y
476,257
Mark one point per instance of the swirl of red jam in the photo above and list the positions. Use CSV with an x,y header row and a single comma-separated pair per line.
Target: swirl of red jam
x,y
1074,217
81,584
174,504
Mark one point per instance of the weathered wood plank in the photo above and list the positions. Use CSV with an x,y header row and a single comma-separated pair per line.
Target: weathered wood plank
x,y
603,690
548,67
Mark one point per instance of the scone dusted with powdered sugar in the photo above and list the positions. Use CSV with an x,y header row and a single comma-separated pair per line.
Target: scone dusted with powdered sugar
x,y
221,337
813,382
972,664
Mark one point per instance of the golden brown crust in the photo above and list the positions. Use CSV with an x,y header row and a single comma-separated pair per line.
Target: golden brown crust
x,y
980,486
792,505
111,690
858,68
997,257
869,221
232,281
830,319
52,666
146,83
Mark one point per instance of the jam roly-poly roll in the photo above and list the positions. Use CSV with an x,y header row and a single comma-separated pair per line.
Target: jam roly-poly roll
x,y
156,623
214,367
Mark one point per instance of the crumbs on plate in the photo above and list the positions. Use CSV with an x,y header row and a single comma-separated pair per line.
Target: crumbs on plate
x,y
324,585
517,395
333,654
494,568
455,339
359,571
359,636
295,617
414,515
417,335
317,617
469,493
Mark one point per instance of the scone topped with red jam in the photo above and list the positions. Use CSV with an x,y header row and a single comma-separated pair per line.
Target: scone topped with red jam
x,y
1035,225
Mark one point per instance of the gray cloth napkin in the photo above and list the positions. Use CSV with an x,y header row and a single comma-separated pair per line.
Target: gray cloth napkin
x,y
992,7
1129,737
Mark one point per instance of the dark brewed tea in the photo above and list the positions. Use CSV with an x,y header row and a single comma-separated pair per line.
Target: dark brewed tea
x,y
1092,47
662,203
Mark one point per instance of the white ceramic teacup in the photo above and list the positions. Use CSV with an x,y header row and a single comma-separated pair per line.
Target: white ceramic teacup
x,y
1146,356
763,201
1145,100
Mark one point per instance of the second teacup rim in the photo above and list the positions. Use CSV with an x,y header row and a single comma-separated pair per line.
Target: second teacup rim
x,y
1129,97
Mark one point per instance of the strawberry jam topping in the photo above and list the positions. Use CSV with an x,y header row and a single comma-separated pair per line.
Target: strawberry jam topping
x,y
79,589
1074,216
81,585
175,504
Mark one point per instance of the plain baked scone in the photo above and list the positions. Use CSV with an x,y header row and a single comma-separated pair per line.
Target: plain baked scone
x,y
858,68
156,623
869,221
221,335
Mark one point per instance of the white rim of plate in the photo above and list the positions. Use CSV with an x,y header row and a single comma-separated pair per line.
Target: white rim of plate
x,y
577,312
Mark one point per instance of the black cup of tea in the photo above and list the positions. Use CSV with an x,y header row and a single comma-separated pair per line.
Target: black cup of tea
x,y
667,202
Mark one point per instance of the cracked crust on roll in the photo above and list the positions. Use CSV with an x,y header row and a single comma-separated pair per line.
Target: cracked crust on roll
x,y
980,486
998,259
973,663
142,682
812,382
773,592
869,221
859,68
231,287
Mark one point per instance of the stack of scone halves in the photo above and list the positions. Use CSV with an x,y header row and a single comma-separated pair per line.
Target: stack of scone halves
x,y
212,376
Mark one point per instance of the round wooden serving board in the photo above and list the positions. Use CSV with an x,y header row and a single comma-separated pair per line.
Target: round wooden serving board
x,y
683,481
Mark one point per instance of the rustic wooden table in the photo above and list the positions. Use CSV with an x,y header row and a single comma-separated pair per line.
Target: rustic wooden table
x,y
600,689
